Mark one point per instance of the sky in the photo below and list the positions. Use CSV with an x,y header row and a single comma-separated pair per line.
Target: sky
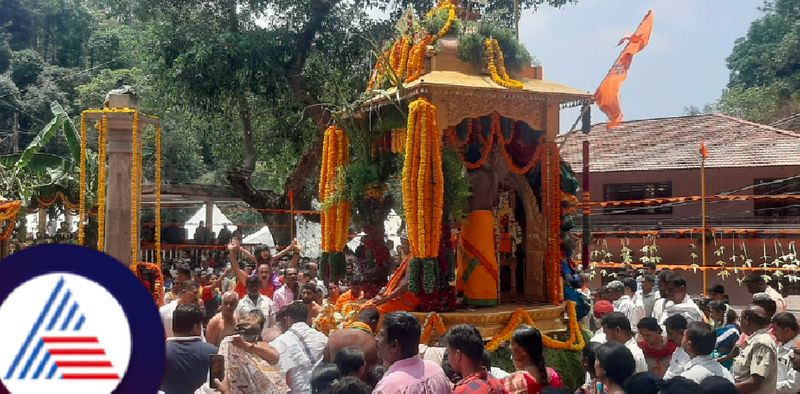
x,y
683,65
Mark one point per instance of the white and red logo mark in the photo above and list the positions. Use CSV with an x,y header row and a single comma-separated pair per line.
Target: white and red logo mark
x,y
57,343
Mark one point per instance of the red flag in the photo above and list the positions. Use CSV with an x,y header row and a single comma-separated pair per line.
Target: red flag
x,y
607,95
703,150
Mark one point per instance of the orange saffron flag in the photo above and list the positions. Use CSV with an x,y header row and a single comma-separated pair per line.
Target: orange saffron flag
x,y
703,150
607,95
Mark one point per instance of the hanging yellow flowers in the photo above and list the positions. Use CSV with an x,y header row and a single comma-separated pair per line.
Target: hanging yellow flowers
x,y
423,193
82,180
498,70
101,183
335,213
135,185
432,322
158,196
576,342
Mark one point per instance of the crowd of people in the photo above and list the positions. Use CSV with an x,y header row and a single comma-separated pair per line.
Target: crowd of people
x,y
649,336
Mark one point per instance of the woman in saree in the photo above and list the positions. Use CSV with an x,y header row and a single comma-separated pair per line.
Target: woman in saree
x,y
533,374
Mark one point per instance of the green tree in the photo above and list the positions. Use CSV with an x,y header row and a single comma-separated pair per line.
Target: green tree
x,y
765,66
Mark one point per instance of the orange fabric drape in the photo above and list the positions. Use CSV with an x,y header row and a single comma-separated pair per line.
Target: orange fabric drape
x,y
406,302
607,95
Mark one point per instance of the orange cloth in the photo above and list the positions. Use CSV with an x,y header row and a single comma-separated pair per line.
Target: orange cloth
x,y
407,301
607,95
477,273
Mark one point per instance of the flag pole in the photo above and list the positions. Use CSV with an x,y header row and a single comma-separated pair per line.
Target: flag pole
x,y
705,228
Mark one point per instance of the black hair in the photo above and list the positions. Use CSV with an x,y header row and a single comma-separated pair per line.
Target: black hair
x,y
723,307
617,361
358,279
649,264
262,320
663,276
258,255
717,289
643,383
375,374
467,340
703,337
785,320
681,385
530,339
630,283
252,280
615,320
369,315
297,311
553,390
649,323
404,328
649,278
310,286
182,269
754,316
350,385
718,385
349,360
185,317
486,360
675,322
755,278
589,357
765,301
323,377
187,285
677,280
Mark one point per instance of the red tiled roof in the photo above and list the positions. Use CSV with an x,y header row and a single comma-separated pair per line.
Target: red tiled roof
x,y
674,143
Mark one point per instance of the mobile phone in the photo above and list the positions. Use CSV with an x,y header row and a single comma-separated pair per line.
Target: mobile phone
x,y
216,369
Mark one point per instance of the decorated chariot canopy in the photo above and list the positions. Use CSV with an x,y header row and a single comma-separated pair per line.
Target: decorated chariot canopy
x,y
451,85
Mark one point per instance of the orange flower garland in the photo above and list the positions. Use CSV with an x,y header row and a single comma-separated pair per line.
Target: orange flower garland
x,y
488,144
82,180
553,168
8,212
576,342
59,196
335,213
158,195
500,77
158,293
101,183
432,322
136,174
423,192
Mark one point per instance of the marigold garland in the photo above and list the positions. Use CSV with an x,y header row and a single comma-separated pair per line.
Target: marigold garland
x,y
158,195
553,271
575,342
101,183
59,196
156,289
493,51
82,186
8,212
488,144
432,322
335,211
135,184
423,193
451,19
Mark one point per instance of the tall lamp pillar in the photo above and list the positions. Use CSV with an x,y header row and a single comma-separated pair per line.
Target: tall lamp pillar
x,y
119,182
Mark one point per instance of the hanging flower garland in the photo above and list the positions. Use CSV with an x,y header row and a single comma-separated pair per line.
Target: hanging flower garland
x,y
554,255
144,271
488,142
101,183
82,180
423,193
135,184
59,196
158,196
8,213
432,322
335,212
498,70
451,19
576,342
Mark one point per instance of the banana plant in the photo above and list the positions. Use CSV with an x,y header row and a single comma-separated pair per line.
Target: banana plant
x,y
25,174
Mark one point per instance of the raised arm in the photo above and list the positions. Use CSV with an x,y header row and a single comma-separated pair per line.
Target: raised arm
x,y
233,253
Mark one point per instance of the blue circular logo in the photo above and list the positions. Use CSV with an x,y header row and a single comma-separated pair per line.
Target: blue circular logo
x,y
76,320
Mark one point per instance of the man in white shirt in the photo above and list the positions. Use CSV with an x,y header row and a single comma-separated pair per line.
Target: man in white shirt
x,y
787,332
648,295
255,300
615,291
682,304
300,346
618,329
630,291
663,301
675,328
699,341
757,284
186,294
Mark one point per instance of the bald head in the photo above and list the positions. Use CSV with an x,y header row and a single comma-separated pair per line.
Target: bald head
x,y
754,318
230,300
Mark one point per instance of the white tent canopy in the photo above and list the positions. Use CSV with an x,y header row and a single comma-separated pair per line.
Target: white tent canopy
x,y
219,219
262,237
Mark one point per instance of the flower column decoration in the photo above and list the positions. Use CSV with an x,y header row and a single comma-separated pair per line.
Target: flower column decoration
x,y
555,284
335,210
423,194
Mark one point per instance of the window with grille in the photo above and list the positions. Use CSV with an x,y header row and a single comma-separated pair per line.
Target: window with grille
x,y
637,191
766,186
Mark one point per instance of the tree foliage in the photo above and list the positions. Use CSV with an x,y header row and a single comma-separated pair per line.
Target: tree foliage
x,y
765,66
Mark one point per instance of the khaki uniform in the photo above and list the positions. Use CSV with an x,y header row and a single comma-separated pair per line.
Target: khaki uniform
x,y
759,357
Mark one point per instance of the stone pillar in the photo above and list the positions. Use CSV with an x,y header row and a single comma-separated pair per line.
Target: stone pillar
x,y
210,213
118,191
